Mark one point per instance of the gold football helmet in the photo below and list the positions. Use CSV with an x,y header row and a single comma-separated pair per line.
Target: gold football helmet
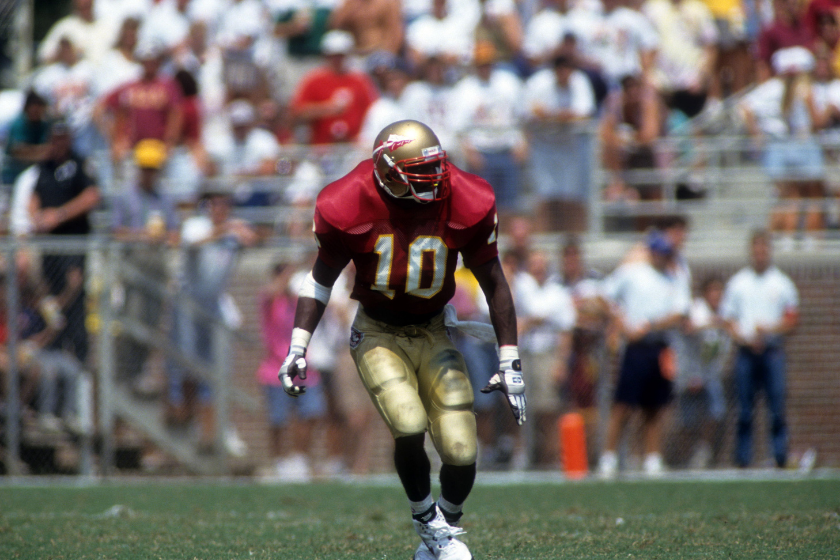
x,y
409,162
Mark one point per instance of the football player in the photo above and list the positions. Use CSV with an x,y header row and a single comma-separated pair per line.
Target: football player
x,y
403,217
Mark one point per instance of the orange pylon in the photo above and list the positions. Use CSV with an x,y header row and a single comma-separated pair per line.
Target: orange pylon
x,y
573,445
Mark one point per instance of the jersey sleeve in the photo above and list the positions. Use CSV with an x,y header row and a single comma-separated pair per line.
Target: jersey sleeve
x,y
331,248
483,245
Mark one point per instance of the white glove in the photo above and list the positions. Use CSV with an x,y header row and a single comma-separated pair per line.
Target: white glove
x,y
294,365
509,381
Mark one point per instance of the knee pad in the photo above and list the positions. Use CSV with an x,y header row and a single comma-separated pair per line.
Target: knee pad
x,y
391,386
455,438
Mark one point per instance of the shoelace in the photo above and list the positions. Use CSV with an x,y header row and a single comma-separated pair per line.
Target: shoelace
x,y
447,531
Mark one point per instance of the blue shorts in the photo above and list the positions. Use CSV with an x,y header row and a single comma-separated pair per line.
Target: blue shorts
x,y
640,380
794,159
310,405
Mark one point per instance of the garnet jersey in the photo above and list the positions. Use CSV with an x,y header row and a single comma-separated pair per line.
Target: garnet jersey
x,y
405,252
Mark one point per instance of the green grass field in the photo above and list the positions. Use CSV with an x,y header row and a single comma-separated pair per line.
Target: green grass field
x,y
739,519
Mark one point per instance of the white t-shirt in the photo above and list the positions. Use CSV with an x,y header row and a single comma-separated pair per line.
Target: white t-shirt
x,y
245,18
113,71
93,39
754,300
488,113
165,25
543,34
765,103
550,302
380,114
685,28
452,35
433,105
826,94
69,89
644,295
616,41
235,158
542,90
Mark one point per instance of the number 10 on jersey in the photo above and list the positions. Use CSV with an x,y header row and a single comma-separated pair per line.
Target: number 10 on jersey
x,y
421,246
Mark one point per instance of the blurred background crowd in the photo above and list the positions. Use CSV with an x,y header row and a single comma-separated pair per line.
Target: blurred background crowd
x,y
513,88
205,128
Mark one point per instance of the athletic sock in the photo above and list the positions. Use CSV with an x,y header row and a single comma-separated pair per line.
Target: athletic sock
x,y
451,512
424,510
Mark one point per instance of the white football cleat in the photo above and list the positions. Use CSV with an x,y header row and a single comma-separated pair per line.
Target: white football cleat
x,y
439,540
423,553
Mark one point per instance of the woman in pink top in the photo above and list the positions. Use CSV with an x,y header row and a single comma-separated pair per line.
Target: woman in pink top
x,y
291,421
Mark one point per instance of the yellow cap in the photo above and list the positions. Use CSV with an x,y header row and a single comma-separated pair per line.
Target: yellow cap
x,y
150,153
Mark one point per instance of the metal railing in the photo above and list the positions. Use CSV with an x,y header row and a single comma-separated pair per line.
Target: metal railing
x,y
90,421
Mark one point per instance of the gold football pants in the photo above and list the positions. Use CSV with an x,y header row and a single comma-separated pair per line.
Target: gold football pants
x,y
417,380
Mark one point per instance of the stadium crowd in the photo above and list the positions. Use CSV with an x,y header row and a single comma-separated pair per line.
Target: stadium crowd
x,y
158,97
509,86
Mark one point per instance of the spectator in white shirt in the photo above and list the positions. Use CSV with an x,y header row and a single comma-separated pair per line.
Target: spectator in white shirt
x,y
687,52
546,316
620,39
168,23
245,150
442,33
68,85
118,65
488,112
780,114
391,75
92,35
544,33
761,305
648,302
430,100
558,100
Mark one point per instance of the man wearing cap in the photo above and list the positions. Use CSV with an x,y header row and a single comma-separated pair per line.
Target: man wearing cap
x,y
332,100
61,201
247,150
647,303
149,107
144,218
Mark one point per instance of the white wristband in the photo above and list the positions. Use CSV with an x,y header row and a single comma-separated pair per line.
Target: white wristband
x,y
300,340
507,355
312,289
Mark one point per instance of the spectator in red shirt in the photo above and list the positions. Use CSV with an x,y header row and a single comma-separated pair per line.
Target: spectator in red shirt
x,y
788,29
149,107
333,100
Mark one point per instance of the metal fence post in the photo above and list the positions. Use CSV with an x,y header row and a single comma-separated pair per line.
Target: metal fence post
x,y
221,389
107,360
595,227
13,407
